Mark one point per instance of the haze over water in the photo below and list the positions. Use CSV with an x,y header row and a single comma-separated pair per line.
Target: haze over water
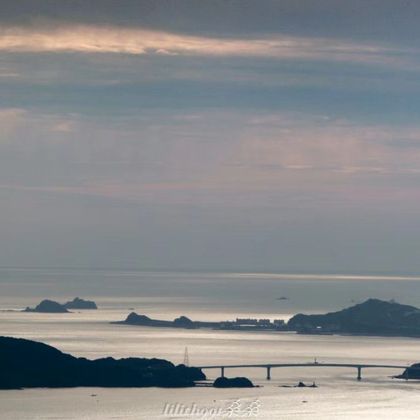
x,y
209,296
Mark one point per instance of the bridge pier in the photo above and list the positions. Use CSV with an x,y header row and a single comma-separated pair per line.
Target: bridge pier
x,y
349,365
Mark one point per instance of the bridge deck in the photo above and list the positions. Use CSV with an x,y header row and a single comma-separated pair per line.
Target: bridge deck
x,y
313,364
269,366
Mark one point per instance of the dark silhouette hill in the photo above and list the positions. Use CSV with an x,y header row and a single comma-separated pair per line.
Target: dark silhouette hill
x,y
29,364
372,317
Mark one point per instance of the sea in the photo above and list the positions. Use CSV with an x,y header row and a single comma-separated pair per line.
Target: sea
x,y
212,296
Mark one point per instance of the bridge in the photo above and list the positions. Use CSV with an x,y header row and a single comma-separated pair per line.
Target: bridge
x,y
269,366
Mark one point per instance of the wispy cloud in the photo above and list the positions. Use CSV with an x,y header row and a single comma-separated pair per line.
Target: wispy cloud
x,y
323,146
214,156
101,39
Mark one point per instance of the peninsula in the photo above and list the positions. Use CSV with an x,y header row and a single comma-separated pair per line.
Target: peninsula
x,y
30,364
248,324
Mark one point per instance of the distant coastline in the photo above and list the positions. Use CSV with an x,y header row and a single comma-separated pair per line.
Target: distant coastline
x,y
373,317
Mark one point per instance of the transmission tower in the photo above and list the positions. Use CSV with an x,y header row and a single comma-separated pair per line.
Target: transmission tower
x,y
186,358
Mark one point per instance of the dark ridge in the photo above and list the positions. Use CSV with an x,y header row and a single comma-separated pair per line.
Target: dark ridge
x,y
29,364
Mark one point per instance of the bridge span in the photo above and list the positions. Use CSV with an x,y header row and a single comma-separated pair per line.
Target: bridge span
x,y
269,366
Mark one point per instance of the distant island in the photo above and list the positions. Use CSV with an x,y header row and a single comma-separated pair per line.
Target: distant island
x,y
29,364
372,317
249,324
50,306
78,303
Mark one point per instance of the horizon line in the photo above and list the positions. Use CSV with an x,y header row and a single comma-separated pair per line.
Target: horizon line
x,y
234,274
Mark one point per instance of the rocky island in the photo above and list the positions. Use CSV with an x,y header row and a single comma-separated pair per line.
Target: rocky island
x,y
238,382
78,303
30,364
372,317
50,306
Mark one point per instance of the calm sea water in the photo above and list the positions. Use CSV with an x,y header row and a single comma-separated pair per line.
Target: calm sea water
x,y
207,296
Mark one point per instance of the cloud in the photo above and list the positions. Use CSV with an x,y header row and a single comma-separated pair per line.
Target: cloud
x,y
224,157
108,39
317,145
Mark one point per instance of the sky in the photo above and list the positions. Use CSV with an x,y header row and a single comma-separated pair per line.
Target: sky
x,y
235,135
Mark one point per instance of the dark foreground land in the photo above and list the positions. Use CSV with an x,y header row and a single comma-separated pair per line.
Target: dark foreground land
x,y
29,364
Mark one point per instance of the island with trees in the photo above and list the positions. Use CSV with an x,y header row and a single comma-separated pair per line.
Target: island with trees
x,y
373,317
